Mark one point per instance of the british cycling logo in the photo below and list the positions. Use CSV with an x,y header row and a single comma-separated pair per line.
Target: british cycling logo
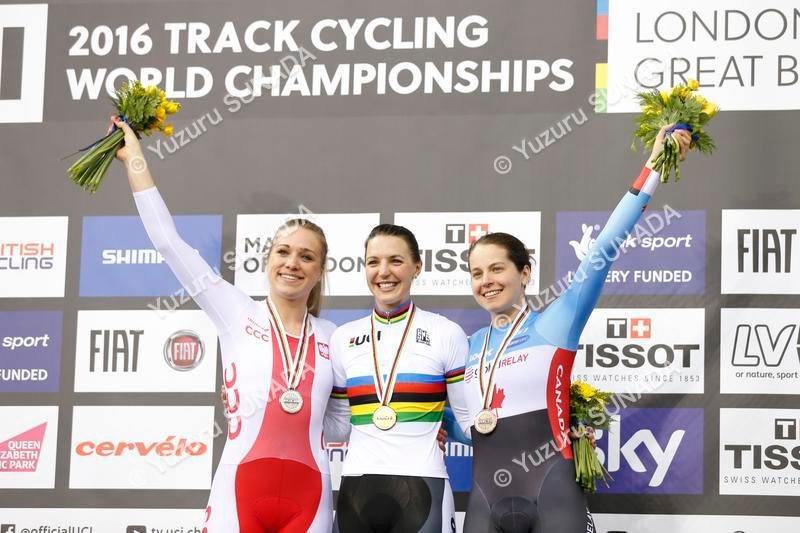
x,y
654,451
23,30
118,259
663,254
33,256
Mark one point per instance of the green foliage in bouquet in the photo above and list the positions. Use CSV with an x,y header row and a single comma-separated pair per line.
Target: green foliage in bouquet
x,y
144,109
587,407
683,105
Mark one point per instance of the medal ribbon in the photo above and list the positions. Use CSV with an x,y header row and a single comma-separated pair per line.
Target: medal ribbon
x,y
488,390
292,364
385,390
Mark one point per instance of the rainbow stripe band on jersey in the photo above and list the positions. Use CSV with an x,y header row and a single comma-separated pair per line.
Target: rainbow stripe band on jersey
x,y
416,398
455,375
395,315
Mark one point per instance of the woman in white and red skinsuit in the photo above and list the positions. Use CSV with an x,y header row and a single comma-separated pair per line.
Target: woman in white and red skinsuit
x,y
273,474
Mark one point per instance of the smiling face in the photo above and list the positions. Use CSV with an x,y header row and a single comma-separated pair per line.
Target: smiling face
x,y
294,264
390,270
497,284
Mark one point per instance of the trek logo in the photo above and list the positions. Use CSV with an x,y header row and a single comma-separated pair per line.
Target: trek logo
x,y
361,339
618,328
654,451
422,337
184,350
116,350
765,250
23,50
760,251
464,233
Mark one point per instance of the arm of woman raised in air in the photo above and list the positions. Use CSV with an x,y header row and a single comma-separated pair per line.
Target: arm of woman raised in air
x,y
219,299
563,321
336,423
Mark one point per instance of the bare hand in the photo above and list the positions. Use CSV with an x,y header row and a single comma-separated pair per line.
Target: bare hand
x,y
588,431
132,148
442,438
683,137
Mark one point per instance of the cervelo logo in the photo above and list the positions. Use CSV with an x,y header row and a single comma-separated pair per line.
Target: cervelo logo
x,y
23,31
167,447
654,450
586,241
760,350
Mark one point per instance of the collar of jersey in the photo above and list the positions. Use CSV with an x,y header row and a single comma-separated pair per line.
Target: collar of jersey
x,y
393,315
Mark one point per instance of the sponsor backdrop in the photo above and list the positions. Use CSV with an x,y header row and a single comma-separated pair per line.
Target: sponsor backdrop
x,y
455,119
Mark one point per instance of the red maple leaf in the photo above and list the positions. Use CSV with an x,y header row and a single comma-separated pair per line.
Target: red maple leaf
x,y
498,396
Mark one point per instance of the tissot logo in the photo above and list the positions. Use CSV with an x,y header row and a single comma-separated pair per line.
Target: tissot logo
x,y
23,48
764,459
461,233
444,240
643,350
634,328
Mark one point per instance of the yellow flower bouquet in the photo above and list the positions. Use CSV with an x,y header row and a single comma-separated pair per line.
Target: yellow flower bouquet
x,y
684,107
145,109
587,406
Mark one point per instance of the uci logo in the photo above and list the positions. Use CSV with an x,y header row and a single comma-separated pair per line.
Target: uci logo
x,y
23,30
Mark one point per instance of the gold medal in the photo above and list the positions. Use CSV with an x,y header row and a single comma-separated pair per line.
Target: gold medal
x,y
485,421
384,417
291,401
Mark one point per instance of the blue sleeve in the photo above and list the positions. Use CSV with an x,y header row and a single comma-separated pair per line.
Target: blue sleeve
x,y
564,319
453,429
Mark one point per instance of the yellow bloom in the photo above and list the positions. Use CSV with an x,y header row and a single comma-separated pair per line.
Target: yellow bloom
x,y
168,130
162,95
584,390
161,113
152,90
693,84
664,97
172,107
709,109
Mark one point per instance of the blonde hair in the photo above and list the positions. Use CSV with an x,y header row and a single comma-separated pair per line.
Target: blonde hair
x,y
314,302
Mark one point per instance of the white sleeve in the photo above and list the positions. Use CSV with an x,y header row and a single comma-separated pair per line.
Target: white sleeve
x,y
221,301
336,424
456,350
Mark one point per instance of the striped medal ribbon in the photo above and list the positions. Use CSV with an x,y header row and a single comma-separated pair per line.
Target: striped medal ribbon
x,y
291,400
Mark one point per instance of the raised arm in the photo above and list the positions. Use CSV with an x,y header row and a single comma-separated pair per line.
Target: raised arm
x,y
563,321
219,299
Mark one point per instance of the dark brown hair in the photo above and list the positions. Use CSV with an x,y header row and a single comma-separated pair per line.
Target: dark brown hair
x,y
517,253
391,230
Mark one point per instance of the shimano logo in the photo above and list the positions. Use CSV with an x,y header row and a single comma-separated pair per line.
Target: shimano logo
x,y
132,257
